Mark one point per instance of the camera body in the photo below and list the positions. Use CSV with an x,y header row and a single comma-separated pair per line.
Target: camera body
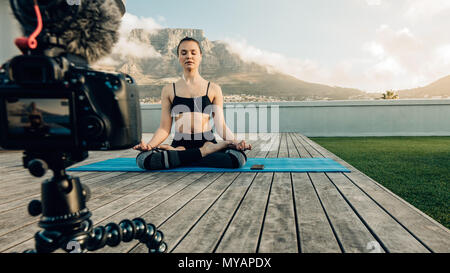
x,y
49,103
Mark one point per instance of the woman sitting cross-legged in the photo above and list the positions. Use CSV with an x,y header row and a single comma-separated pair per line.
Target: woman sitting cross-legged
x,y
192,101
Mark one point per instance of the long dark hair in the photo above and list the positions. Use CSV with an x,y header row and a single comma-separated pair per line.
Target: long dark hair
x,y
188,39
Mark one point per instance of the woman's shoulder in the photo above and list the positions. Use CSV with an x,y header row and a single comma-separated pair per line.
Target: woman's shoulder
x,y
168,88
214,87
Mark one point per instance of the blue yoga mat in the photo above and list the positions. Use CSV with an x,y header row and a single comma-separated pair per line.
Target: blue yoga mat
x,y
270,165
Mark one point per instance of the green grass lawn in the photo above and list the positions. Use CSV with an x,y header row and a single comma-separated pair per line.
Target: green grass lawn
x,y
415,168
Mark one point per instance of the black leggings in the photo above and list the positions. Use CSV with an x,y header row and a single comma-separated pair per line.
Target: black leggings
x,y
161,159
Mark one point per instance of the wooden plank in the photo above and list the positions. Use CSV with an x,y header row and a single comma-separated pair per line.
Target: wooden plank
x,y
352,234
315,232
393,236
167,204
8,241
244,229
20,200
115,200
10,158
203,203
313,152
18,218
22,190
16,193
103,154
144,205
10,187
279,228
301,151
13,218
388,233
206,233
257,144
426,230
182,221
200,208
127,196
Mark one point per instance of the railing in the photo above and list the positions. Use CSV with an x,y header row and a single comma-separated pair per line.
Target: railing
x,y
429,117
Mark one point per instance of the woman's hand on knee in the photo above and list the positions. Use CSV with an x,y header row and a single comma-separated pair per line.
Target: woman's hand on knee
x,y
142,147
240,145
168,147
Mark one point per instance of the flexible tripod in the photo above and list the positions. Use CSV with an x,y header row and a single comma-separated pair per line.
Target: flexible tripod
x,y
65,217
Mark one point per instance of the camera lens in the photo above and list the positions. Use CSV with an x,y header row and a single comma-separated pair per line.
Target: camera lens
x,y
92,127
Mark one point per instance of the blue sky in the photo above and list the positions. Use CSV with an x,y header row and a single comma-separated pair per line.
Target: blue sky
x,y
373,45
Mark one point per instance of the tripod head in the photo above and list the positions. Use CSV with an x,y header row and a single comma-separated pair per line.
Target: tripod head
x,y
65,217
63,197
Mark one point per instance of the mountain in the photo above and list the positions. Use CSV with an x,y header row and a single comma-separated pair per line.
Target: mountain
x,y
219,65
437,89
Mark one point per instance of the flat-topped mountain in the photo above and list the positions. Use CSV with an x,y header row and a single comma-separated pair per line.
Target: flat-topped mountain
x,y
224,67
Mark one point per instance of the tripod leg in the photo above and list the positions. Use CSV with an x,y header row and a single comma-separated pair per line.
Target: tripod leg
x,y
112,234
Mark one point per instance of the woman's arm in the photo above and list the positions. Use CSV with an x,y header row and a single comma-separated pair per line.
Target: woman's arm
x,y
220,124
219,119
164,126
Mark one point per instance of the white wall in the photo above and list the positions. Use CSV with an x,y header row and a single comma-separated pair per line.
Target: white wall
x,y
335,118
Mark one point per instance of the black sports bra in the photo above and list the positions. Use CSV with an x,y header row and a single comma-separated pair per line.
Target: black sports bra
x,y
186,105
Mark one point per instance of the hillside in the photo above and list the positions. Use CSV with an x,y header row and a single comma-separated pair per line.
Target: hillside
x,y
235,76
219,65
437,89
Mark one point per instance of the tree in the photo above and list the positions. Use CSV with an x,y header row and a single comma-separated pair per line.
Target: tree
x,y
390,95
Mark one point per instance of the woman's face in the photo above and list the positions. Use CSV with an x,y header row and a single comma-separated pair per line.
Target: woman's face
x,y
189,55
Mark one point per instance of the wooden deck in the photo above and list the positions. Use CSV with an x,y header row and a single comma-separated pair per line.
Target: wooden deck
x,y
236,212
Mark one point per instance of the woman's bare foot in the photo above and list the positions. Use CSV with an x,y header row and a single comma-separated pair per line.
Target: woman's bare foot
x,y
209,147
170,148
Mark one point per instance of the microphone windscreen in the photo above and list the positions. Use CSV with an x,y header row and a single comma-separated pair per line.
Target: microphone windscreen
x,y
91,34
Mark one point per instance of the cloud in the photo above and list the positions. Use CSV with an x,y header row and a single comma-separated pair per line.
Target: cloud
x,y
307,70
401,60
374,49
442,53
420,9
394,59
373,2
402,46
130,22
130,48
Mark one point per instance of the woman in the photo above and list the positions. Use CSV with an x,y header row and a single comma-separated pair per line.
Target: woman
x,y
192,101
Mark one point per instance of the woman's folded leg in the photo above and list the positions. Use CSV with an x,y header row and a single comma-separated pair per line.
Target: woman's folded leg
x,y
214,155
167,159
228,158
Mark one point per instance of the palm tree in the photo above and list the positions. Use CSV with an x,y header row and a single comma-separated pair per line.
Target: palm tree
x,y
390,95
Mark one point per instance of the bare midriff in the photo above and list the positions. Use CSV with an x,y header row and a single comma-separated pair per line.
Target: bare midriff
x,y
192,123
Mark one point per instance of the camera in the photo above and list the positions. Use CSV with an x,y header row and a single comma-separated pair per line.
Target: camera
x,y
56,108
50,103
50,98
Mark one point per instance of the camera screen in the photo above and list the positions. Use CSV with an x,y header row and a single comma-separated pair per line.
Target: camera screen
x,y
38,118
